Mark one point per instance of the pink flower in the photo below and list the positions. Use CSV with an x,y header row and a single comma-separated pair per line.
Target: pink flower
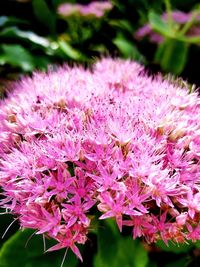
x,y
140,225
112,207
110,140
191,202
95,8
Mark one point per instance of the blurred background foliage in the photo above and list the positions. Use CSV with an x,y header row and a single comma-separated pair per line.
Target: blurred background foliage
x,y
34,35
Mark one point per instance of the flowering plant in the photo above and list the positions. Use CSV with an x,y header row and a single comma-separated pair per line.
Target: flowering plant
x,y
181,22
77,143
174,32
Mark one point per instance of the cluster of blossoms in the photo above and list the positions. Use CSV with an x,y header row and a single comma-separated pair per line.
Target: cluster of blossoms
x,y
110,139
179,18
94,8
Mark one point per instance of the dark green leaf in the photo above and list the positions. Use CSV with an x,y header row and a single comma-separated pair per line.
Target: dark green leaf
x,y
17,253
17,56
122,24
152,264
116,251
174,248
127,48
197,244
41,62
160,26
4,21
107,245
44,15
172,56
131,253
15,32
182,262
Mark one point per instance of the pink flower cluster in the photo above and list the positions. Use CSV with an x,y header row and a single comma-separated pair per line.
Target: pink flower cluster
x,y
95,8
112,139
178,17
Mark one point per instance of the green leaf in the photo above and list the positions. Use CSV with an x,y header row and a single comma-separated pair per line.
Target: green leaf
x,y
165,29
17,56
4,21
15,32
190,40
174,248
17,253
41,62
159,25
68,50
178,263
172,55
152,264
197,244
107,245
132,253
122,24
127,48
44,14
116,251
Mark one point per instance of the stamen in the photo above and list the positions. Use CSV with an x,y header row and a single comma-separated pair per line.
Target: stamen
x,y
64,257
9,227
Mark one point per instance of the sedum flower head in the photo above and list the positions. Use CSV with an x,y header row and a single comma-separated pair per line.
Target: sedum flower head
x,y
112,139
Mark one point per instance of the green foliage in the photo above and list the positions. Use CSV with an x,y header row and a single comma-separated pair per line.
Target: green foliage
x,y
158,25
174,248
6,21
17,56
44,15
182,262
69,51
197,244
28,36
172,55
20,251
127,49
116,250
48,37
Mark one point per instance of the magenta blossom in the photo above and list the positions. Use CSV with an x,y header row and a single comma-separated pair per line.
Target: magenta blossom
x,y
112,139
95,8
